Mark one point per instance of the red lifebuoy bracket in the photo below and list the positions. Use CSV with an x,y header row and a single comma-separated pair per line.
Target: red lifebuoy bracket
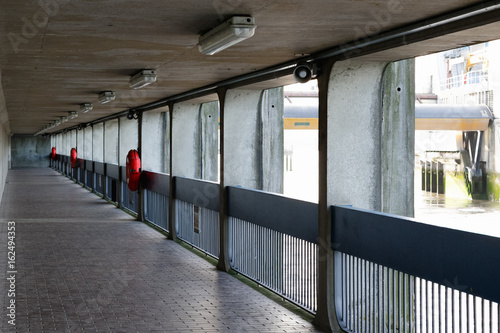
x,y
53,154
73,158
133,170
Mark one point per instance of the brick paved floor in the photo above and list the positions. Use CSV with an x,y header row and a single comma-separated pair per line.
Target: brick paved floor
x,y
85,266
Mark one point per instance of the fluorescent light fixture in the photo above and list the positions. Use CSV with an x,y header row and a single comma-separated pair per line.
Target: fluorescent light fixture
x,y
106,97
86,107
72,114
232,31
57,123
142,79
64,119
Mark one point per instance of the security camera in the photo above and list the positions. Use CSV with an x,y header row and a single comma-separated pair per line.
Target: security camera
x,y
131,115
304,72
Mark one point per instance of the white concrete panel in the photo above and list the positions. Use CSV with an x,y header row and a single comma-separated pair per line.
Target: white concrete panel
x,y
354,130
72,139
79,143
242,138
111,141
185,139
87,143
129,134
98,143
153,141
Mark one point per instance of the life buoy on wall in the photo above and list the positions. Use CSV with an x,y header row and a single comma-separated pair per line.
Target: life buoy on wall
x,y
73,158
133,170
53,154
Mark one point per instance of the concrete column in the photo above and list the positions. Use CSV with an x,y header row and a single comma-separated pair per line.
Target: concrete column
x,y
272,138
242,155
111,141
97,143
398,138
185,137
153,141
209,140
366,130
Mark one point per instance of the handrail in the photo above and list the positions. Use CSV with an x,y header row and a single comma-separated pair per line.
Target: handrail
x,y
456,259
289,216
156,182
201,193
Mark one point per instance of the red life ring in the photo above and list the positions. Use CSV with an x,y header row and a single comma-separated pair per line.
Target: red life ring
x,y
133,170
73,158
53,154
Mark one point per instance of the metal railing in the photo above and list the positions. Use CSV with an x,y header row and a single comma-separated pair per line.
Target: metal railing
x,y
397,275
129,199
472,77
156,209
275,245
197,216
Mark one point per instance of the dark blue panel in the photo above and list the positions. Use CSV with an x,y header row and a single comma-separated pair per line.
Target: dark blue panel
x,y
199,192
89,165
289,216
156,182
112,171
99,168
456,259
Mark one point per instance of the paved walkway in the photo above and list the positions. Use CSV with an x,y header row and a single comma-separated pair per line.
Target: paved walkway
x,y
82,265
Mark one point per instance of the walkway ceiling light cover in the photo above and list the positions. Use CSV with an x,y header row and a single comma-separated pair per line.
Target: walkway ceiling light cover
x,y
106,97
232,31
72,114
144,78
64,119
86,107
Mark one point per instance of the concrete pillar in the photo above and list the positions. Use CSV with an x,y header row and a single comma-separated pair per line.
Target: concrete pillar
x,y
87,143
153,141
209,140
111,141
98,143
398,138
185,137
272,137
128,138
254,139
242,155
366,127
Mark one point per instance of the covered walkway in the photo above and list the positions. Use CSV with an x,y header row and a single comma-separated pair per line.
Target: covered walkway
x,y
90,267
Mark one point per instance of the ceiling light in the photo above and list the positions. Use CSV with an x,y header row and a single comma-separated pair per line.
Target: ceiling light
x,y
64,119
86,107
143,78
57,123
232,31
72,114
106,97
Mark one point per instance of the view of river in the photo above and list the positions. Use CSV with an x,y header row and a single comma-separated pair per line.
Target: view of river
x,y
478,216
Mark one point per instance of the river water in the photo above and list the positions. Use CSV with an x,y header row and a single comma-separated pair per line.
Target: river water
x,y
478,216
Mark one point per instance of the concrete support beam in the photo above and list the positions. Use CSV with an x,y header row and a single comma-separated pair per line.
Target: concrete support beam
x,y
111,141
366,140
129,134
209,140
398,138
242,155
272,138
185,137
153,141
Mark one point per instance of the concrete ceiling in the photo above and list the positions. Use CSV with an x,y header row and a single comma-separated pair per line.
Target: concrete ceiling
x,y
55,56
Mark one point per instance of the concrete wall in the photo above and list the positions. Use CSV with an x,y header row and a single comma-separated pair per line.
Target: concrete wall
x,y
28,151
129,133
186,140
111,141
154,141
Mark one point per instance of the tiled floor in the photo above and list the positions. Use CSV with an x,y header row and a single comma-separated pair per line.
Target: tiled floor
x,y
83,265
